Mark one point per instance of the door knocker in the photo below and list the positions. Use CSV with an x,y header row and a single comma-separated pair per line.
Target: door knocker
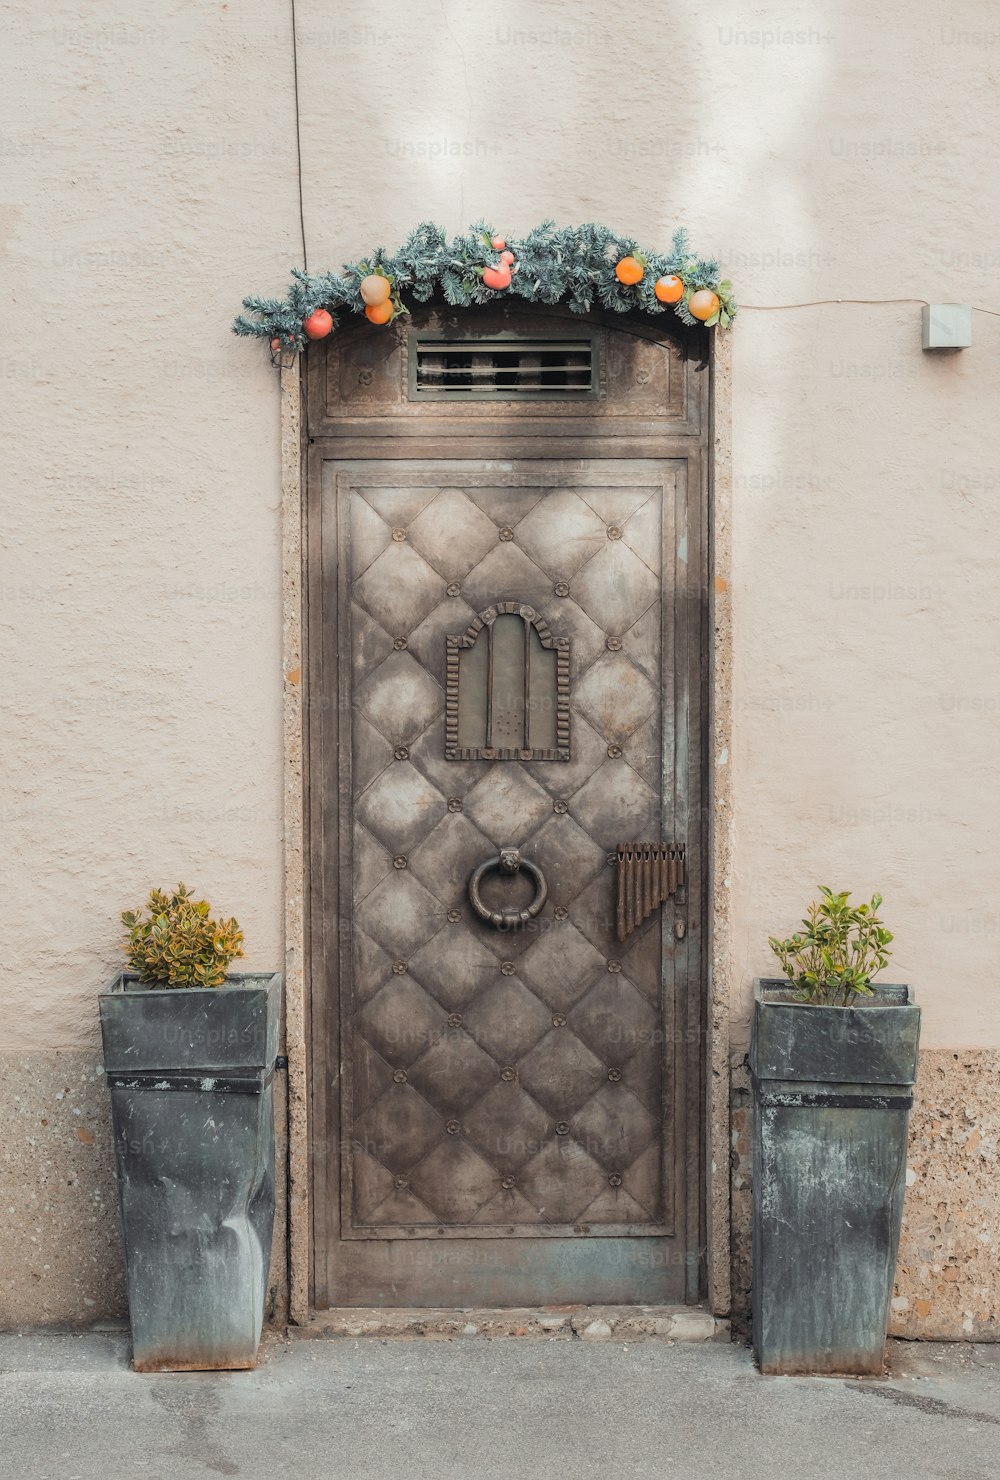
x,y
508,861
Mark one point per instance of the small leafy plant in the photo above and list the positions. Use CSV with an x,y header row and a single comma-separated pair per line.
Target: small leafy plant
x,y
842,946
178,944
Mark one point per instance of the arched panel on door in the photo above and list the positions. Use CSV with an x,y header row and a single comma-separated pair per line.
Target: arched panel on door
x,y
508,688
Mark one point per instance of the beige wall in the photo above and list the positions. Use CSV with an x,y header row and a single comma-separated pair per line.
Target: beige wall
x,y
149,181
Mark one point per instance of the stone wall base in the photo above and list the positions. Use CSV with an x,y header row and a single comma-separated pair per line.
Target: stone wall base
x,y
61,1258
61,1261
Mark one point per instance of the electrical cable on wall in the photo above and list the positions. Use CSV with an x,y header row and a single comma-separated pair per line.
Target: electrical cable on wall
x,y
874,302
298,136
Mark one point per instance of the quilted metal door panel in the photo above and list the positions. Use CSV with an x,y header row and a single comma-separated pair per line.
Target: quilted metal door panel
x,y
513,1085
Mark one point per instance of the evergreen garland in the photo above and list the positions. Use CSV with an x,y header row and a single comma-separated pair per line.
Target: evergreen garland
x,y
552,264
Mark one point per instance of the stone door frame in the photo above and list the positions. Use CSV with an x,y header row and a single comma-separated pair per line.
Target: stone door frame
x,y
295,841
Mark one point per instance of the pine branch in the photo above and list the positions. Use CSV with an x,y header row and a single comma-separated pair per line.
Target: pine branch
x,y
553,264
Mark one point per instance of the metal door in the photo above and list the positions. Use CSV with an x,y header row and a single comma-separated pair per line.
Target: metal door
x,y
512,1079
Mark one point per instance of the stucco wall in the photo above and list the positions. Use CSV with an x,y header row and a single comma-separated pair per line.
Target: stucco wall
x,y
149,182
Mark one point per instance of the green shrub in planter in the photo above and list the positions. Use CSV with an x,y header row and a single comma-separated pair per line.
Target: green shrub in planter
x,y
189,1052
178,944
833,1058
841,946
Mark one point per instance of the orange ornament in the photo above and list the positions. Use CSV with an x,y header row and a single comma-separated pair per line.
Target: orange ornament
x,y
704,303
497,277
275,345
629,271
318,324
379,313
375,289
669,289
499,243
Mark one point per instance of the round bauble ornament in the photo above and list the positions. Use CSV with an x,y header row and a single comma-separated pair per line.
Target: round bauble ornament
x,y
375,289
629,271
703,304
507,257
499,243
276,345
318,324
497,277
379,313
669,289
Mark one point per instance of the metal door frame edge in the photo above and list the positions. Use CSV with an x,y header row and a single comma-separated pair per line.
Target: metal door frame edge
x,y
299,532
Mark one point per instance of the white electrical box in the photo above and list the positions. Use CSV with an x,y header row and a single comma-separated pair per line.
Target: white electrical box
x,y
947,325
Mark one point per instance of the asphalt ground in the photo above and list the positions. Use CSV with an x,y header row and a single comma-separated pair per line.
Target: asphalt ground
x,y
479,1409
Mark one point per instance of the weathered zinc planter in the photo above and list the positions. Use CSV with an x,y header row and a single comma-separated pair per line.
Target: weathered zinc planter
x,y
190,1073
832,1096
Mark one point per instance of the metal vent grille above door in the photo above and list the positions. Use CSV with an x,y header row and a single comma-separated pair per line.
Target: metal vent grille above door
x,y
511,369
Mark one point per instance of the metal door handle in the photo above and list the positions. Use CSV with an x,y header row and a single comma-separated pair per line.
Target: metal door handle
x,y
508,861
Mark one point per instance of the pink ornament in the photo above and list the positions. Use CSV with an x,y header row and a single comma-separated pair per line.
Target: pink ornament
x,y
507,257
499,243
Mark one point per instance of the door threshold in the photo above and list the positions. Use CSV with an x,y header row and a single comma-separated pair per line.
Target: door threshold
x,y
551,1322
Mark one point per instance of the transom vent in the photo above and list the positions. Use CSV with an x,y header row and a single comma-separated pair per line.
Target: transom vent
x,y
503,369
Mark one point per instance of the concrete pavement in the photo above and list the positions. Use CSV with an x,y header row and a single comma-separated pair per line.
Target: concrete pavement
x,y
479,1409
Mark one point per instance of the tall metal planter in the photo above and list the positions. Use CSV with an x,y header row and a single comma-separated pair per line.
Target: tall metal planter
x,y
190,1072
832,1095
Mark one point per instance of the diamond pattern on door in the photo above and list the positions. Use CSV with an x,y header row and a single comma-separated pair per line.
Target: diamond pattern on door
x,y
454,966
561,533
399,913
426,641
561,1180
399,1129
453,1179
399,588
454,1073
448,855
508,1127
502,1080
507,575
400,1023
398,805
614,1127
562,967
616,696
400,699
507,804
507,1020
616,587
617,800
452,534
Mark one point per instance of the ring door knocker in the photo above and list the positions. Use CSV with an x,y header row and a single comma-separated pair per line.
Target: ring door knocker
x,y
508,861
